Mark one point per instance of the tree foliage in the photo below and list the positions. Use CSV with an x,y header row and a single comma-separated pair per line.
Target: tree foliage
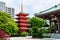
x,y
37,22
7,23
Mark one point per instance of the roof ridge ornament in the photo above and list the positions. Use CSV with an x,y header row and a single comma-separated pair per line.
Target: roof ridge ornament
x,y
55,5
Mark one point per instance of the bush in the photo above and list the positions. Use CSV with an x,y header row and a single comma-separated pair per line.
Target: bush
x,y
46,30
24,34
37,33
16,35
34,32
30,31
40,33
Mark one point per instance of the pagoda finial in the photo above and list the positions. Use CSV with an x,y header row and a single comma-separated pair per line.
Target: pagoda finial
x,y
21,6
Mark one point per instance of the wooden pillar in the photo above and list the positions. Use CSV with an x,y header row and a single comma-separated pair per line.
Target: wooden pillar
x,y
50,25
58,24
55,27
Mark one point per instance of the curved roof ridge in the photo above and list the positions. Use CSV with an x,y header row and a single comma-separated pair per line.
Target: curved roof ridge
x,y
50,8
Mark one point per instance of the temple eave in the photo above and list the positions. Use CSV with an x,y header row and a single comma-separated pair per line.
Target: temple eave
x,y
48,14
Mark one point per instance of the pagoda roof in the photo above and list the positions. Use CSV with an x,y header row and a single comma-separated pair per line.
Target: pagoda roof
x,y
24,21
22,13
24,24
24,28
51,10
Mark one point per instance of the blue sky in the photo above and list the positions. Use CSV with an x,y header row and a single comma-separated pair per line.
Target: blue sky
x,y
31,6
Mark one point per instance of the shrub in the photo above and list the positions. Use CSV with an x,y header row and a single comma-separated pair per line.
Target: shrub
x,y
40,33
24,34
16,35
46,30
30,31
34,32
37,33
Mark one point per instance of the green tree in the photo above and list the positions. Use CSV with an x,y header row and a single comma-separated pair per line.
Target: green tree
x,y
37,22
7,23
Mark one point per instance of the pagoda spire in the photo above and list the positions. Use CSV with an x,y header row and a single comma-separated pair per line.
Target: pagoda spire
x,y
21,6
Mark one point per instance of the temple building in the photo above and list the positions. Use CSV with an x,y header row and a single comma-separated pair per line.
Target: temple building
x,y
53,15
22,20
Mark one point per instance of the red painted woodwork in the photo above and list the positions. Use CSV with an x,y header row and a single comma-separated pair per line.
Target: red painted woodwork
x,y
22,17
23,24
24,29
22,14
22,21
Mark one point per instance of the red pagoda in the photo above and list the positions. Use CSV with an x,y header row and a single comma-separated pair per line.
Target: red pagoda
x,y
22,20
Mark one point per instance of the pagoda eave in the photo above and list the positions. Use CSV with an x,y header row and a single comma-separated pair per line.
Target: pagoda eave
x,y
24,24
24,28
21,18
22,14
